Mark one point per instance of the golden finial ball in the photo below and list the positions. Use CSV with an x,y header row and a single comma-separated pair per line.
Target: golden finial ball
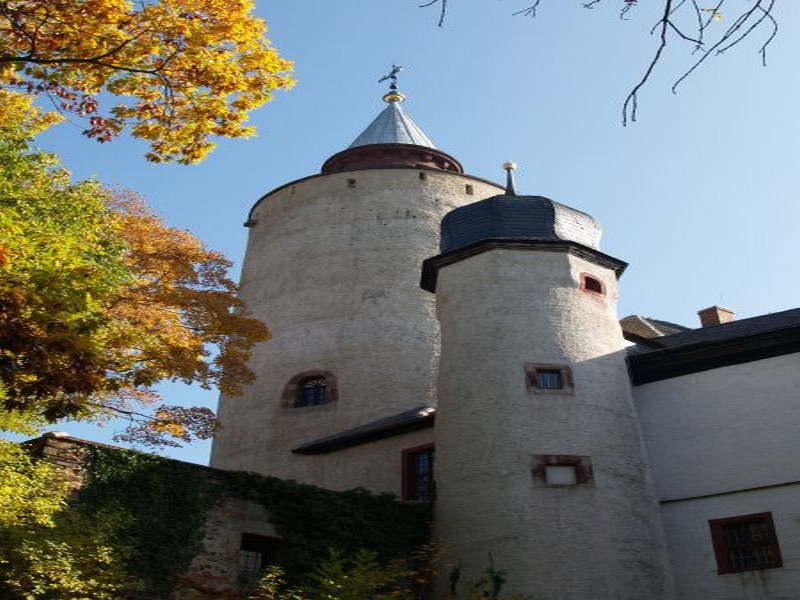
x,y
509,166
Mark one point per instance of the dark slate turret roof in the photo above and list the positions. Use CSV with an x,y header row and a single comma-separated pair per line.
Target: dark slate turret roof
x,y
518,217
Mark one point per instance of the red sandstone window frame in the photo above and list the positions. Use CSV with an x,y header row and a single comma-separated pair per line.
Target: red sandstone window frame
x,y
590,283
765,553
411,487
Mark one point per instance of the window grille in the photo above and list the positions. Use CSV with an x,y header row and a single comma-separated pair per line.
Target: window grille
x,y
745,543
312,391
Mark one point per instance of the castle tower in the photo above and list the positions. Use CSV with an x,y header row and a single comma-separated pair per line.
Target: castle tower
x,y
539,458
332,267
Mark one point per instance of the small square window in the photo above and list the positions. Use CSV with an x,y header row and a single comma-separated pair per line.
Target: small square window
x,y
745,543
542,379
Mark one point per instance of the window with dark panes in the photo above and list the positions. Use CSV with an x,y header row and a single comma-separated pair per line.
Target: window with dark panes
x,y
312,391
745,543
418,484
549,379
256,552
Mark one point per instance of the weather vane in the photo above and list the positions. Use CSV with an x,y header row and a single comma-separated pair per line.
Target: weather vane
x,y
393,95
393,76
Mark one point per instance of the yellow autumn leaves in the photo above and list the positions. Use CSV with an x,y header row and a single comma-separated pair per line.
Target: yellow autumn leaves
x,y
187,70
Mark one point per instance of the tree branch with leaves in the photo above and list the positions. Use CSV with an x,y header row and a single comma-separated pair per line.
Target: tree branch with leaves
x,y
100,300
188,69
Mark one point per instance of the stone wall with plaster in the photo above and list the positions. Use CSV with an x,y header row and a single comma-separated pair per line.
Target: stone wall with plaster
x,y
724,443
600,538
332,267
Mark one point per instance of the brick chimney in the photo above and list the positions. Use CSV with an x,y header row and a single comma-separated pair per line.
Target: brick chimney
x,y
715,315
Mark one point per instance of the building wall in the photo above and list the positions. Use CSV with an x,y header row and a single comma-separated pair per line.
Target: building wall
x,y
215,571
692,553
601,539
332,267
376,466
725,443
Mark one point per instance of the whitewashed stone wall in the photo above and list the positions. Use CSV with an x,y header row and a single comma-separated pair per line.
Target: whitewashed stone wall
x,y
332,267
725,443
598,540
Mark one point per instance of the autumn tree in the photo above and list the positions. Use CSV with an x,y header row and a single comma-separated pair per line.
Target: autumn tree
x,y
100,300
706,29
185,70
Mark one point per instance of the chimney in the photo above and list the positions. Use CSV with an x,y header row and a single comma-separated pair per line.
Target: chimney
x,y
715,315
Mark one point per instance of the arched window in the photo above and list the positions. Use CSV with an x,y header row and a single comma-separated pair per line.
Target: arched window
x,y
312,391
310,388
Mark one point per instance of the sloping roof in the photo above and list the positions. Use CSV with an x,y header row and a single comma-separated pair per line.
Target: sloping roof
x,y
715,346
393,126
647,327
734,329
419,417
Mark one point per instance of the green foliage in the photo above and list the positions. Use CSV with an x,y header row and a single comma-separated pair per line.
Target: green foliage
x,y
340,578
312,521
30,492
489,584
60,267
74,559
161,507
46,551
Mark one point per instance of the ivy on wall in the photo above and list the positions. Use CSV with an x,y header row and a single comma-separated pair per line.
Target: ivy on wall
x,y
313,521
161,507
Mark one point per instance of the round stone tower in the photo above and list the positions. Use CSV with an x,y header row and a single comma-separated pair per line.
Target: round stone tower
x,y
539,460
332,267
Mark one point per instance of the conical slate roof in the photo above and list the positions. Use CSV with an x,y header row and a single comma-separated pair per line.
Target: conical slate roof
x,y
392,140
393,126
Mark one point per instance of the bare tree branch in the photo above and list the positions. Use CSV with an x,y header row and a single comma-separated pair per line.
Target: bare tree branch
x,y
673,25
631,103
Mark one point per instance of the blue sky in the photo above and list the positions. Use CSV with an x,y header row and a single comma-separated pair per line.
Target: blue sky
x,y
699,196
